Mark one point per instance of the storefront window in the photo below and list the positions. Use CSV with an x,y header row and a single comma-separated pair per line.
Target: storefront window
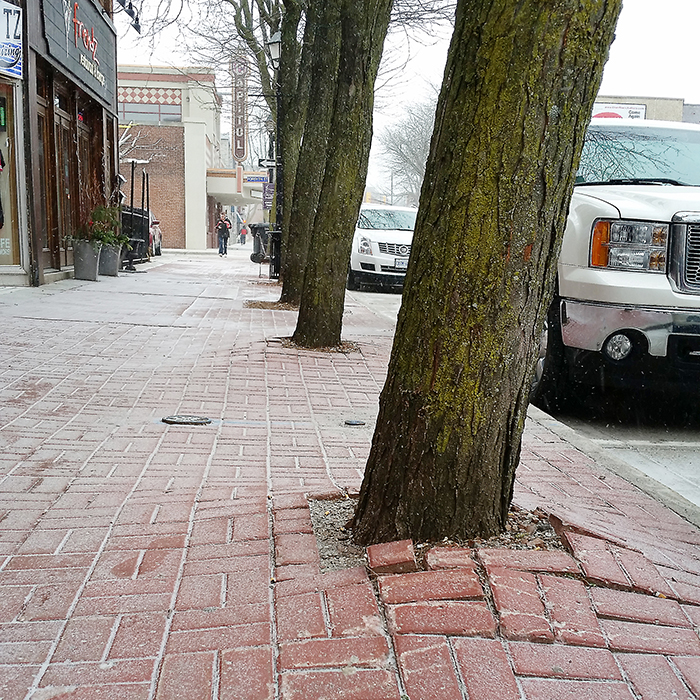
x,y
149,112
9,228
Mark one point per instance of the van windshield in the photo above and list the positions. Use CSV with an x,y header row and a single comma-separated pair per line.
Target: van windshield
x,y
631,154
387,219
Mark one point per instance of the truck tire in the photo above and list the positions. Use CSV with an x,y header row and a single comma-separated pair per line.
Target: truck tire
x,y
551,389
352,284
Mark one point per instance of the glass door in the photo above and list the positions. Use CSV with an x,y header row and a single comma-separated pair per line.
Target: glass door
x,y
9,225
66,179
48,221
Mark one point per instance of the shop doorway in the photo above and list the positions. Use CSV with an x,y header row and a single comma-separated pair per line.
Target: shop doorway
x,y
9,225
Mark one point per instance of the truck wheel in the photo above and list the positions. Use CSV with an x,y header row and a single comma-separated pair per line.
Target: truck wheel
x,y
550,388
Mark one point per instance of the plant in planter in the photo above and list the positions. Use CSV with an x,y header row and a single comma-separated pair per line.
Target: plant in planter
x,y
101,235
106,224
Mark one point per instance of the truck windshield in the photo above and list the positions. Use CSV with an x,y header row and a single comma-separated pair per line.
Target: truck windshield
x,y
387,219
634,154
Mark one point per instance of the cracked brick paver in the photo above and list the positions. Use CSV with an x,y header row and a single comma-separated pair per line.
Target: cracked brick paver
x,y
141,560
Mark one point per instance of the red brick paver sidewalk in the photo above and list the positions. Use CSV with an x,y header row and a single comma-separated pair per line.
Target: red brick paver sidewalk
x,y
144,560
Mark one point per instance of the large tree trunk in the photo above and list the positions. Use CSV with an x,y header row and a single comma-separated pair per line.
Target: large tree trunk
x,y
363,27
519,86
321,53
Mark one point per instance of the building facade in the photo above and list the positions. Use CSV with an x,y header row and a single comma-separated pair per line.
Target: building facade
x,y
58,129
170,130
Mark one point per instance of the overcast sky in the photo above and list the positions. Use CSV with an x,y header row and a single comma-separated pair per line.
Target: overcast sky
x,y
654,54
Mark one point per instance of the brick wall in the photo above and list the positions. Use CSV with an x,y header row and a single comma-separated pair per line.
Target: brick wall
x,y
164,148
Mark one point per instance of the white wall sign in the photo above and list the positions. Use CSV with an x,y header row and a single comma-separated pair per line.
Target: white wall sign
x,y
619,111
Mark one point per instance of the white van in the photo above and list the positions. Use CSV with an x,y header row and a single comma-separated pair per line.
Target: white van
x,y
381,246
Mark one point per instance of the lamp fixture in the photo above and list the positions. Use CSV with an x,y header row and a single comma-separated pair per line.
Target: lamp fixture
x,y
274,46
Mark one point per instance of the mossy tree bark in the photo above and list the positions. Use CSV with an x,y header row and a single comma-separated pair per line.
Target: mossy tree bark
x,y
363,26
321,55
312,102
294,84
517,95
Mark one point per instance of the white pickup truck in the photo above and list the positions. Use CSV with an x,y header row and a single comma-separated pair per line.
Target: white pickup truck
x,y
626,312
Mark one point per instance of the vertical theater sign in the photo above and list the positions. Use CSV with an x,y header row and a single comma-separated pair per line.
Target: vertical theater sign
x,y
239,127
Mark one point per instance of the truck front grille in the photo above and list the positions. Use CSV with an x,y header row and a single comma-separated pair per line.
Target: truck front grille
x,y
401,250
691,272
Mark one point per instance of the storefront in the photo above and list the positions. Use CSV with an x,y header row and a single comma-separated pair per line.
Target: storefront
x,y
11,143
58,133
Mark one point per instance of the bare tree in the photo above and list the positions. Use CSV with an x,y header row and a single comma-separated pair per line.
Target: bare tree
x,y
300,114
133,139
405,146
421,13
301,214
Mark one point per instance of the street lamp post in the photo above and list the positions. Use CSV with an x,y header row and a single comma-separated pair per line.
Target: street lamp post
x,y
274,46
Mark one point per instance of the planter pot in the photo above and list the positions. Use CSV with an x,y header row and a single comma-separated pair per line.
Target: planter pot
x,y
85,260
110,260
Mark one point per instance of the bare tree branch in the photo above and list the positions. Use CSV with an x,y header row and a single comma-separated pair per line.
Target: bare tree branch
x,y
405,146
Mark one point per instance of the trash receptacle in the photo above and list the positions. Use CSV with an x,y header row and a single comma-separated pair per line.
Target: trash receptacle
x,y
275,253
261,250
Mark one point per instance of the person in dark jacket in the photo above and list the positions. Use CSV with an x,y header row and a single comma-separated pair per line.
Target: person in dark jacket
x,y
223,231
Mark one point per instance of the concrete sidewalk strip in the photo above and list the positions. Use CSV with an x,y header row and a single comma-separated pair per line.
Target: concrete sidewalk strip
x,y
141,560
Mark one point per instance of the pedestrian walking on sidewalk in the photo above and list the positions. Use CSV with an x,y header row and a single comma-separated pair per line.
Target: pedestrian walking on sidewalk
x,y
223,231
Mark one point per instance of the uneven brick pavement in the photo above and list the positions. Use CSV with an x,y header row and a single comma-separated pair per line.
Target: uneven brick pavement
x,y
145,560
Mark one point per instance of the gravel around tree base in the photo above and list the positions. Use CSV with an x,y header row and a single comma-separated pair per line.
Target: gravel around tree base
x,y
525,529
333,538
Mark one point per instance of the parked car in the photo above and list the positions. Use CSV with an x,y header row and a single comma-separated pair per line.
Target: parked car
x,y
381,246
626,313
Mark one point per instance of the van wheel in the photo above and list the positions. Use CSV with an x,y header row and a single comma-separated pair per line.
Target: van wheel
x,y
352,284
551,389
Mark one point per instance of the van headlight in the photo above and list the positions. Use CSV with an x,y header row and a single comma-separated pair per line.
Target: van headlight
x,y
365,246
629,245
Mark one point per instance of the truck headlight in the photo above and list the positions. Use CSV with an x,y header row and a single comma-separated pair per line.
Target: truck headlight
x,y
365,246
629,245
